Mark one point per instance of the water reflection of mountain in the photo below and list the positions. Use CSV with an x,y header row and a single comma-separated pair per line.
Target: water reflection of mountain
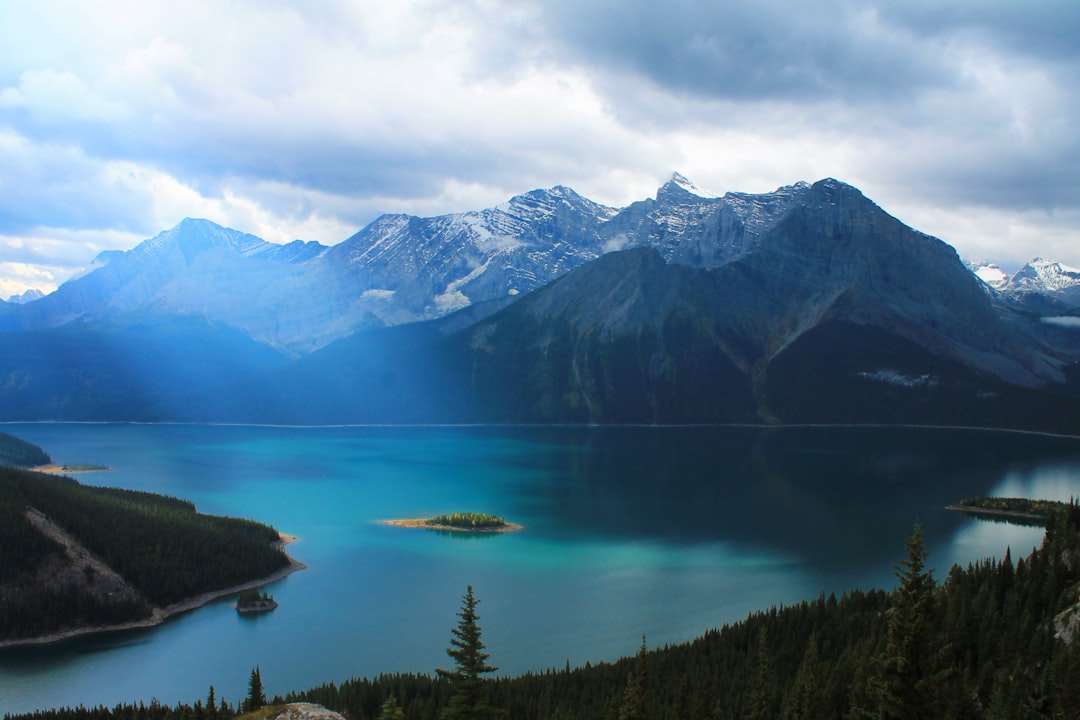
x,y
832,496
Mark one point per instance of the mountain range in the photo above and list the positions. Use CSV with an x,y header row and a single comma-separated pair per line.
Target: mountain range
x,y
807,304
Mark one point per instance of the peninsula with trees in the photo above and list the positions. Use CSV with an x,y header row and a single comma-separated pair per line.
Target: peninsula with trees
x,y
77,559
1022,511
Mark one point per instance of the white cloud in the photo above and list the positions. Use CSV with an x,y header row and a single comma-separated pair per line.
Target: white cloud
x,y
17,278
307,121
1064,321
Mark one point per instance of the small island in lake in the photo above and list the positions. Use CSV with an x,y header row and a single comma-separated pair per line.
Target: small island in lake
x,y
253,601
460,522
1015,510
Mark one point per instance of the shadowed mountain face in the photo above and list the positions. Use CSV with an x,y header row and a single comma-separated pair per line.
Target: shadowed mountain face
x,y
809,304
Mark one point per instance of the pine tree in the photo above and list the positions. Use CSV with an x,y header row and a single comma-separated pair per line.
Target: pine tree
x,y
256,698
762,684
635,704
911,669
391,710
807,698
469,701
211,704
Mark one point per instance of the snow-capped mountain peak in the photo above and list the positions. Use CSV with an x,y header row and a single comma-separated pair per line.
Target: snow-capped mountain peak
x,y
1045,276
681,181
990,274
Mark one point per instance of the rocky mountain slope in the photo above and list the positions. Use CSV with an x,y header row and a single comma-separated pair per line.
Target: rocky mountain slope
x,y
835,312
685,307
400,268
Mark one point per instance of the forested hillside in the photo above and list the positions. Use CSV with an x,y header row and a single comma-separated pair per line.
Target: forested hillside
x,y
161,547
16,451
992,641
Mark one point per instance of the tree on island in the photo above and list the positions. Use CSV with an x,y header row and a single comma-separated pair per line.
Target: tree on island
x,y
469,701
467,521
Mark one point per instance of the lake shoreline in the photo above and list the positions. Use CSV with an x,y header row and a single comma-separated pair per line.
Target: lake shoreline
x,y
999,514
160,615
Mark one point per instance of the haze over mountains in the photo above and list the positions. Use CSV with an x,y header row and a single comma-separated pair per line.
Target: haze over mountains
x,y
807,304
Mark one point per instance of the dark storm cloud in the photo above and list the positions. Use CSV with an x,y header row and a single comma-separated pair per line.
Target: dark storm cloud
x,y
965,102
746,51
1045,29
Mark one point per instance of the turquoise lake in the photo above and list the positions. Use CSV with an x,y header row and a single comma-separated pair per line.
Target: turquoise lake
x,y
662,531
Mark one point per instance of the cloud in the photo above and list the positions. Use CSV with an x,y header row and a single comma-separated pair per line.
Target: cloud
x,y
1065,321
308,121
60,183
770,50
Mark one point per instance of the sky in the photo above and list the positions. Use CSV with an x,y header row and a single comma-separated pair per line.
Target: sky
x,y
307,120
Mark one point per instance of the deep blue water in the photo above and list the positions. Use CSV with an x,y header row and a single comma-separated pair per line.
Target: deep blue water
x,y
662,531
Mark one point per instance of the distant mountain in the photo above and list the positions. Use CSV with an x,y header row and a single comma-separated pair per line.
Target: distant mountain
x,y
1042,287
806,304
832,312
990,274
1050,279
400,268
28,296
196,269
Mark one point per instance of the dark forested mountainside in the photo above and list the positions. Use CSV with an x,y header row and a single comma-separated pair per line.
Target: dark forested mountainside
x,y
629,338
993,641
16,451
161,548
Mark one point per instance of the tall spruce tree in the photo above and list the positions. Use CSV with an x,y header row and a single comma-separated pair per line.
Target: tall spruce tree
x,y
635,703
256,698
763,681
807,700
469,701
911,668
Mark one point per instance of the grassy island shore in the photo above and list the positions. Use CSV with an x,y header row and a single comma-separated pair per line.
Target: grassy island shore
x,y
459,522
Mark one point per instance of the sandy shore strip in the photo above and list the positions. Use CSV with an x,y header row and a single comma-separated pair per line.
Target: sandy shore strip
x,y
55,469
160,615
422,523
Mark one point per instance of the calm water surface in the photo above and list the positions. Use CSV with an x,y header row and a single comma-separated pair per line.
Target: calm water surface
x,y
662,531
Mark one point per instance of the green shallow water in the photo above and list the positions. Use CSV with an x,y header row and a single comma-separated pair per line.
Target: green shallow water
x,y
662,531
